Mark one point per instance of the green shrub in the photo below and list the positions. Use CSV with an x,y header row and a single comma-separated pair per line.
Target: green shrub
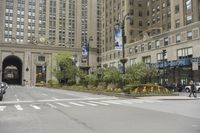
x,y
53,83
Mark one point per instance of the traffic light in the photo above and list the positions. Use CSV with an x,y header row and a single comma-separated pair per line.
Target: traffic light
x,y
164,52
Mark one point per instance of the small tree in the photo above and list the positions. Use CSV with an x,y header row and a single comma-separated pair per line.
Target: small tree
x,y
111,75
66,69
139,73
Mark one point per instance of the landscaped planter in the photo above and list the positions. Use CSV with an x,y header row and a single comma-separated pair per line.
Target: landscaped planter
x,y
148,90
112,86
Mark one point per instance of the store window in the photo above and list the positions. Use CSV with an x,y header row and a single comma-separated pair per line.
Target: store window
x,y
184,53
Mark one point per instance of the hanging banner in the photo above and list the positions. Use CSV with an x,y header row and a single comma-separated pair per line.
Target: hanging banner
x,y
118,37
85,52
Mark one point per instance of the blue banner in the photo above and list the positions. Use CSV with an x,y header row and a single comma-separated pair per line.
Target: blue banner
x,y
85,52
118,37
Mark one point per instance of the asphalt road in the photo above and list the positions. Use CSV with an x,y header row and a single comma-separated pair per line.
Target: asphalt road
x,y
42,110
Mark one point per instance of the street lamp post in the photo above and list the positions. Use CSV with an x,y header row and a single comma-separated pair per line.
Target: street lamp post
x,y
163,58
88,56
123,60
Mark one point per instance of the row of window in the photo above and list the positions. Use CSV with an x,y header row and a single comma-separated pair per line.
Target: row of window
x,y
177,38
181,54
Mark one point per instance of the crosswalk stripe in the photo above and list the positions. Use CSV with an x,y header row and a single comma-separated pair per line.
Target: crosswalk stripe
x,y
19,107
64,105
77,104
92,104
137,101
101,103
52,106
35,107
112,102
2,108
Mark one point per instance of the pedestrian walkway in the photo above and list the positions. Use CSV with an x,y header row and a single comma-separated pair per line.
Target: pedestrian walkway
x,y
73,104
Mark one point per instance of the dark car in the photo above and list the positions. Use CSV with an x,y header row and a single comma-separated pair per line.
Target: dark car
x,y
4,86
1,94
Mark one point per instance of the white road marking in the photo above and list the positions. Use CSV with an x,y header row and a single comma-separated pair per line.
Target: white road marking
x,y
101,103
2,108
52,106
88,103
17,100
54,98
73,103
57,100
78,99
137,101
112,102
18,107
44,94
64,105
35,107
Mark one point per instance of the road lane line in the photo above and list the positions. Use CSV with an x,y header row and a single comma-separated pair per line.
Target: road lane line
x,y
18,107
99,103
54,98
2,108
52,106
61,104
77,104
35,107
91,104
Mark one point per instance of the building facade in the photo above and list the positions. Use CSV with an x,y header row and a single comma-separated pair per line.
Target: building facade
x,y
33,31
161,33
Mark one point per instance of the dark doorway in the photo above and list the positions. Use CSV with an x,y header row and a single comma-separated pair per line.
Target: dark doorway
x,y
12,70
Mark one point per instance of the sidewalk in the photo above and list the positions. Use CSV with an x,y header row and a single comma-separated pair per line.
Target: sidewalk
x,y
181,96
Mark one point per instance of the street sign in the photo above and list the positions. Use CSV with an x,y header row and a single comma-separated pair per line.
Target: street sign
x,y
195,66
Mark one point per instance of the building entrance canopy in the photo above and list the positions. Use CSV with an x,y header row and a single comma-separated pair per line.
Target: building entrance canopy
x,y
174,63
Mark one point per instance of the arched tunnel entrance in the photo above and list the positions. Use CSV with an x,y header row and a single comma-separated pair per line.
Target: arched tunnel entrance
x,y
12,70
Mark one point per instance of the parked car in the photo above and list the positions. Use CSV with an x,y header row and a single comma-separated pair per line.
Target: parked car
x,y
4,86
188,87
1,94
174,87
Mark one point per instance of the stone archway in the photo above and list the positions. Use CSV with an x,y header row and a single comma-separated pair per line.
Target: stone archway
x,y
12,70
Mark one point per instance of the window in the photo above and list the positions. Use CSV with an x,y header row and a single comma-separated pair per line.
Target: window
x,y
177,23
163,5
184,53
136,49
130,50
142,47
166,41
132,61
149,46
189,35
146,59
176,9
178,38
140,13
140,23
189,19
188,6
157,44
160,56
41,58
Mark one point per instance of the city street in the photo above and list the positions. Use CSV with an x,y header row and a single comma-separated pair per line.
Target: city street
x,y
43,110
